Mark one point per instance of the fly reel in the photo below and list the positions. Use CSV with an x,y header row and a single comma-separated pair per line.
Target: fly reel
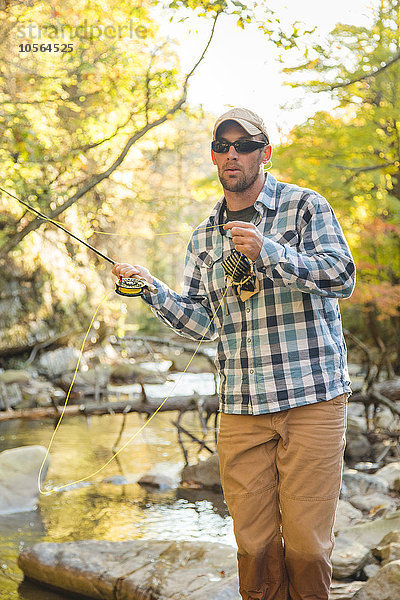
x,y
239,270
133,286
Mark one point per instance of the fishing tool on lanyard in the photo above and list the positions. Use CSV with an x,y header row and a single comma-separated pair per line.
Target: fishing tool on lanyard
x,y
239,270
126,286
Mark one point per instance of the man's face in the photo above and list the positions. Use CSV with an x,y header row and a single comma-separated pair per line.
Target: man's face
x,y
237,172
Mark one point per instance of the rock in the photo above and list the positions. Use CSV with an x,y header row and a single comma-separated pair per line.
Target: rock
x,y
127,371
356,409
116,480
41,393
135,569
385,419
15,376
58,362
385,585
205,474
372,502
367,467
19,469
346,514
370,533
88,381
199,364
348,557
357,447
353,544
389,548
371,570
356,424
363,483
344,591
156,480
10,395
391,474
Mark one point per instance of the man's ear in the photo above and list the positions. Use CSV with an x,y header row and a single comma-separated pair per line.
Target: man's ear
x,y
267,154
213,157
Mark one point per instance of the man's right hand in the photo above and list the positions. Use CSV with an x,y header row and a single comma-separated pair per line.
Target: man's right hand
x,y
127,270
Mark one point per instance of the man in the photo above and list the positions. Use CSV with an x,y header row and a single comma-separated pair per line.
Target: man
x,y
281,358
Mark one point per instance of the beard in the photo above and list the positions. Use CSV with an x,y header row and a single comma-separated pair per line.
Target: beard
x,y
240,183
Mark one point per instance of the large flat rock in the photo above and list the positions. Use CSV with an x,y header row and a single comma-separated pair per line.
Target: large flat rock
x,y
19,471
353,544
135,570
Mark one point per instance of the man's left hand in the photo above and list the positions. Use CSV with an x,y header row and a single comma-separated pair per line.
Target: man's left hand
x,y
246,237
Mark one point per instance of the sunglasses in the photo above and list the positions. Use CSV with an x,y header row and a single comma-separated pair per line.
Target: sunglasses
x,y
241,146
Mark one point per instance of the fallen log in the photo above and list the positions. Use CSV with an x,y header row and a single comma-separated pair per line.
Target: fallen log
x,y
175,403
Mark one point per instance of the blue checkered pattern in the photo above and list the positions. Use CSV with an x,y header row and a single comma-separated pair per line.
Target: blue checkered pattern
x,y
284,346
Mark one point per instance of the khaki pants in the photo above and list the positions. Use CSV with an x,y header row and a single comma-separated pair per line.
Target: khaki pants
x,y
281,476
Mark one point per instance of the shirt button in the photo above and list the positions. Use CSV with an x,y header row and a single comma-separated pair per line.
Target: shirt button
x,y
252,371
248,309
248,340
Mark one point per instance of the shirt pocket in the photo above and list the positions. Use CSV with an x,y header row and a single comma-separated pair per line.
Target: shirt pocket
x,y
213,279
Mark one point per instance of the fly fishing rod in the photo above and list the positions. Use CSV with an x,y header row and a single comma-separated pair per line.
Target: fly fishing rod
x,y
126,286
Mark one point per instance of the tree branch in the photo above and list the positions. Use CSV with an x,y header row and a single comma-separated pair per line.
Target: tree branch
x,y
96,179
395,58
364,169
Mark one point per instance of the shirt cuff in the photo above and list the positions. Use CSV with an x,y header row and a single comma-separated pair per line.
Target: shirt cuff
x,y
157,300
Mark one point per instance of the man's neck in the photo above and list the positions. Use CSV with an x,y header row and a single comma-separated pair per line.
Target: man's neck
x,y
240,200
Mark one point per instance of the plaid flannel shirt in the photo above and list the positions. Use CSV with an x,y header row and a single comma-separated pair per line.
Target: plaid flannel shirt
x,y
284,346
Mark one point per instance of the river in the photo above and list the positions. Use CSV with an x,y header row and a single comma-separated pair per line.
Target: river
x,y
107,511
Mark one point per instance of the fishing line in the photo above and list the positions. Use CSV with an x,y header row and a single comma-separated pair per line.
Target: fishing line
x,y
123,290
60,226
62,487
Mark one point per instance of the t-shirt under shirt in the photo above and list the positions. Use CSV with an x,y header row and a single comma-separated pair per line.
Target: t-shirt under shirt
x,y
244,214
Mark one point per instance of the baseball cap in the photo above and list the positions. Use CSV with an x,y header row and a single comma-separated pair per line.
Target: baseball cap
x,y
248,119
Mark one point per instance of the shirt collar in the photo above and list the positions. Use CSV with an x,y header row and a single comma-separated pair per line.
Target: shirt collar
x,y
267,198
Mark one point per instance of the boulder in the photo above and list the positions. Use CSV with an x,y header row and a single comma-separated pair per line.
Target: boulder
x,y
10,395
205,474
57,362
371,570
363,483
385,419
353,544
344,590
356,424
385,585
146,569
199,364
391,474
15,376
389,548
346,514
357,447
129,371
370,533
19,470
367,467
157,480
348,557
87,381
372,502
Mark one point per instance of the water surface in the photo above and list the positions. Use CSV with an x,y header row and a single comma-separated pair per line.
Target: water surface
x,y
106,511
